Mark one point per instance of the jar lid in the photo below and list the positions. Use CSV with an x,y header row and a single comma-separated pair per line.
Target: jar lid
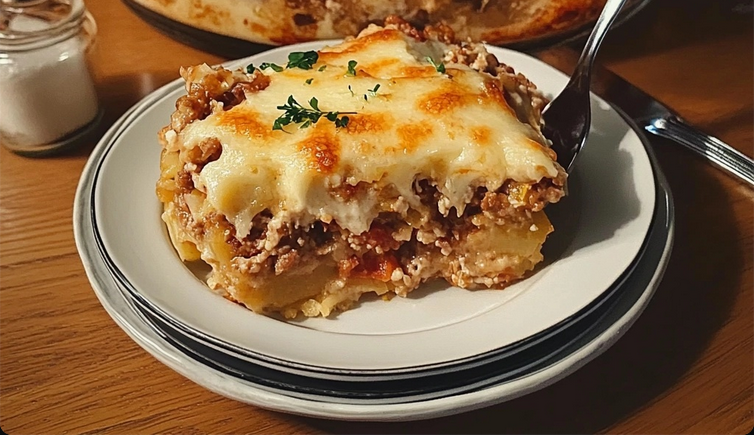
x,y
26,24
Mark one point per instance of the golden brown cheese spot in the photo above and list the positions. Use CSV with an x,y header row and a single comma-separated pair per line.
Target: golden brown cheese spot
x,y
244,122
412,135
418,71
493,93
444,100
360,44
322,150
367,123
373,68
481,135
327,57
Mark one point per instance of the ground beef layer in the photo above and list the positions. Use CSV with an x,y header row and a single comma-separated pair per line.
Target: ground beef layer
x,y
294,266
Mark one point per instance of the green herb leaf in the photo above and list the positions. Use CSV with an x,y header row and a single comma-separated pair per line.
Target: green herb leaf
x,y
322,68
294,113
280,122
250,68
352,68
309,81
275,67
351,90
303,60
373,92
439,67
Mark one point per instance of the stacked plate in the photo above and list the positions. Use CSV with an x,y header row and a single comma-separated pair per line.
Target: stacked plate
x,y
443,350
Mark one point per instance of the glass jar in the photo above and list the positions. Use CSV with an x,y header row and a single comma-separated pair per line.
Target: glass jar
x,y
47,97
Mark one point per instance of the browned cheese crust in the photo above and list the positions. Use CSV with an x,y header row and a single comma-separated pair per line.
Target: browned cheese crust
x,y
399,251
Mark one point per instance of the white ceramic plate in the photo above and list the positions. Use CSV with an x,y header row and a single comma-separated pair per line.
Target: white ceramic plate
x,y
505,360
612,203
638,291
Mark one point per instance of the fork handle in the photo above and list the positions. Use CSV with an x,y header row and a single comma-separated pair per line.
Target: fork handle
x,y
718,152
581,77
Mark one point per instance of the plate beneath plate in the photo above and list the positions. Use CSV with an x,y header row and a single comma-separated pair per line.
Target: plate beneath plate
x,y
600,229
543,372
426,384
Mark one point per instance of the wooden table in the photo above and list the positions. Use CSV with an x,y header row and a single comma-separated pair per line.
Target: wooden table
x,y
686,366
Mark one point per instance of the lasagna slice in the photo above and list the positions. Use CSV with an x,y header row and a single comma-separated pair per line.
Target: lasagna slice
x,y
371,166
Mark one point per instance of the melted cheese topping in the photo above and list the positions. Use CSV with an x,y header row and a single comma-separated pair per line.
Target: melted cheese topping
x,y
455,129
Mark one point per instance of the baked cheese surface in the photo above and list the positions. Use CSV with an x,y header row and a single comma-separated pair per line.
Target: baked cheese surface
x,y
407,121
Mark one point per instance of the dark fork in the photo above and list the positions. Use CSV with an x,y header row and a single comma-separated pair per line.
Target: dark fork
x,y
567,118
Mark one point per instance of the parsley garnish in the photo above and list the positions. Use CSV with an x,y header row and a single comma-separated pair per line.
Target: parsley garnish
x,y
352,68
370,92
296,113
250,68
322,68
265,65
297,59
303,60
309,81
439,67
351,90
339,122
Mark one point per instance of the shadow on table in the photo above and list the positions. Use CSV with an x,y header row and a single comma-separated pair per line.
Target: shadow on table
x,y
667,24
691,304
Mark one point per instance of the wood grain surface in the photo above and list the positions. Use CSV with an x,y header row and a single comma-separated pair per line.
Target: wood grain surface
x,y
686,366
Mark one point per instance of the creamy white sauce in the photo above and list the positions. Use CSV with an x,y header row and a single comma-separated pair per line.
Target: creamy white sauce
x,y
477,142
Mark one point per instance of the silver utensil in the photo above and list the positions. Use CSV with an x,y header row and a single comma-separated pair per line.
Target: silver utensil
x,y
656,118
567,118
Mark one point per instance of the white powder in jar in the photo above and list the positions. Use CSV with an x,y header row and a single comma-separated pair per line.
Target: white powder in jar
x,y
45,93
